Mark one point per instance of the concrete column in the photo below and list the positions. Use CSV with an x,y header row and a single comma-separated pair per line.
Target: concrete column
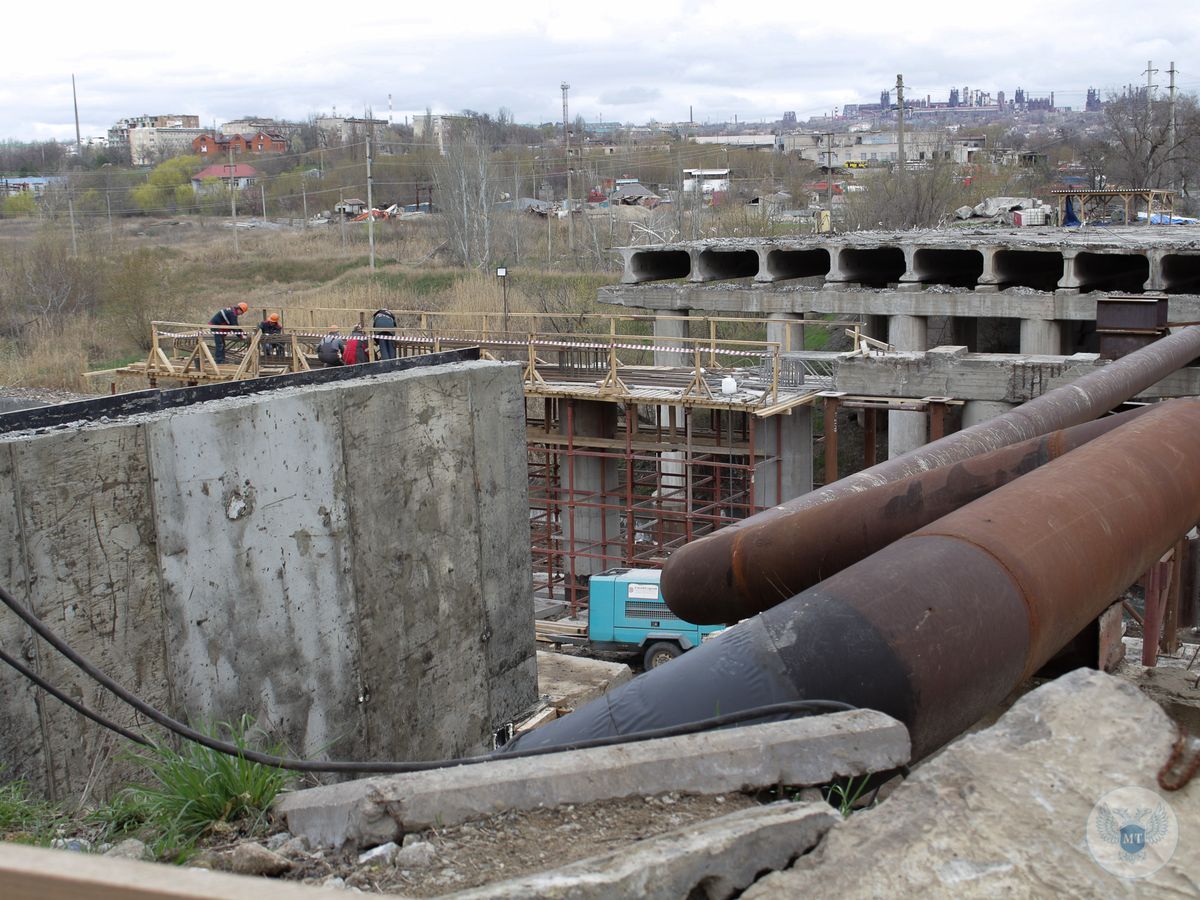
x,y
781,328
987,279
670,331
1069,280
906,430
596,531
976,411
1041,336
1155,281
792,475
911,279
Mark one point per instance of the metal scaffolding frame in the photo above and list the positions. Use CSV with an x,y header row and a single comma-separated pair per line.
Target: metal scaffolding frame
x,y
674,481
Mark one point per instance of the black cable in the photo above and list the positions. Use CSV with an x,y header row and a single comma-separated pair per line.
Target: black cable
x,y
792,708
74,704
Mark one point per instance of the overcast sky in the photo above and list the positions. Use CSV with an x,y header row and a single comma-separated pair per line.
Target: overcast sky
x,y
625,61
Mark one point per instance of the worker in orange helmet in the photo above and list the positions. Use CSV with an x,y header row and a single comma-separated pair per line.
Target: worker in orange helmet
x,y
269,327
223,323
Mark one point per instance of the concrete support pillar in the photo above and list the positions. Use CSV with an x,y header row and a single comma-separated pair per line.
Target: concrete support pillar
x,y
791,437
669,331
976,411
835,274
1041,336
1155,281
595,531
906,430
782,327
1069,280
987,278
911,279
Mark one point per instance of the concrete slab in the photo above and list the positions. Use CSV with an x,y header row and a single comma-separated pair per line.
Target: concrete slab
x,y
798,752
715,859
571,681
1009,811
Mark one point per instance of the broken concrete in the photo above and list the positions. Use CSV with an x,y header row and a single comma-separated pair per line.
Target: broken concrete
x,y
804,751
571,681
1005,811
715,859
348,562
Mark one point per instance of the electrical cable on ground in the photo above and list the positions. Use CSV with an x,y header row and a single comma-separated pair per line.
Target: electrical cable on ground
x,y
789,709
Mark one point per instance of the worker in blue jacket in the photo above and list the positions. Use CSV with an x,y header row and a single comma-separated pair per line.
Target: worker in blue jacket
x,y
224,321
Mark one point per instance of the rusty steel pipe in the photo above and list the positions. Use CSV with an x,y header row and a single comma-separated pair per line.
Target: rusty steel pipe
x,y
717,570
789,556
939,626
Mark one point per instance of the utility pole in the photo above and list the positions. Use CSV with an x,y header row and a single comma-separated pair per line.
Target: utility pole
x,y
570,169
1171,129
342,218
370,206
900,121
233,201
516,214
71,211
75,100
262,192
108,203
829,176
1150,73
304,201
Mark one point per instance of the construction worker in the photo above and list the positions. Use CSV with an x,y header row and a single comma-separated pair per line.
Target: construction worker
x,y
329,350
223,323
355,350
385,347
269,327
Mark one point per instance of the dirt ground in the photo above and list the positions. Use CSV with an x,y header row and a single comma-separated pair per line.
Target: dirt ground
x,y
513,844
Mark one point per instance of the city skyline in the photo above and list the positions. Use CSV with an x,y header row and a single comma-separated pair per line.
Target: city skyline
x,y
626,63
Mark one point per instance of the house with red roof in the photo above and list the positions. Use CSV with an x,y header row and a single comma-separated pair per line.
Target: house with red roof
x,y
221,177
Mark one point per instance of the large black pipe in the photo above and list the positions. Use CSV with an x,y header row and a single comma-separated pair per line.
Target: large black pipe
x,y
717,570
939,626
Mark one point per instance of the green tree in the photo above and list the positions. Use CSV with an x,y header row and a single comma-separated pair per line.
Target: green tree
x,y
20,204
168,187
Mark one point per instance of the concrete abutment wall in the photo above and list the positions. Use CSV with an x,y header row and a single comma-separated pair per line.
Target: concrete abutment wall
x,y
348,563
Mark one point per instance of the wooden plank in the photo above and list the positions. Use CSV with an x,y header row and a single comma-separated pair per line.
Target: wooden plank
x,y
34,873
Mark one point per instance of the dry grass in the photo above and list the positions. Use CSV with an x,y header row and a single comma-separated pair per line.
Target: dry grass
x,y
315,277
49,358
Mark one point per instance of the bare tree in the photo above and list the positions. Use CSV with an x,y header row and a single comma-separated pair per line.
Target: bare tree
x,y
467,186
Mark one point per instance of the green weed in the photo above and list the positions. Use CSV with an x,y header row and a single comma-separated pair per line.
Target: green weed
x,y
843,795
196,790
26,819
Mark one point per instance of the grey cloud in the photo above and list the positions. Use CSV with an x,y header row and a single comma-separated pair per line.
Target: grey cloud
x,y
630,95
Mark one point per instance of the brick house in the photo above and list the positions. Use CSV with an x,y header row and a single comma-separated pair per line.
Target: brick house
x,y
208,145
